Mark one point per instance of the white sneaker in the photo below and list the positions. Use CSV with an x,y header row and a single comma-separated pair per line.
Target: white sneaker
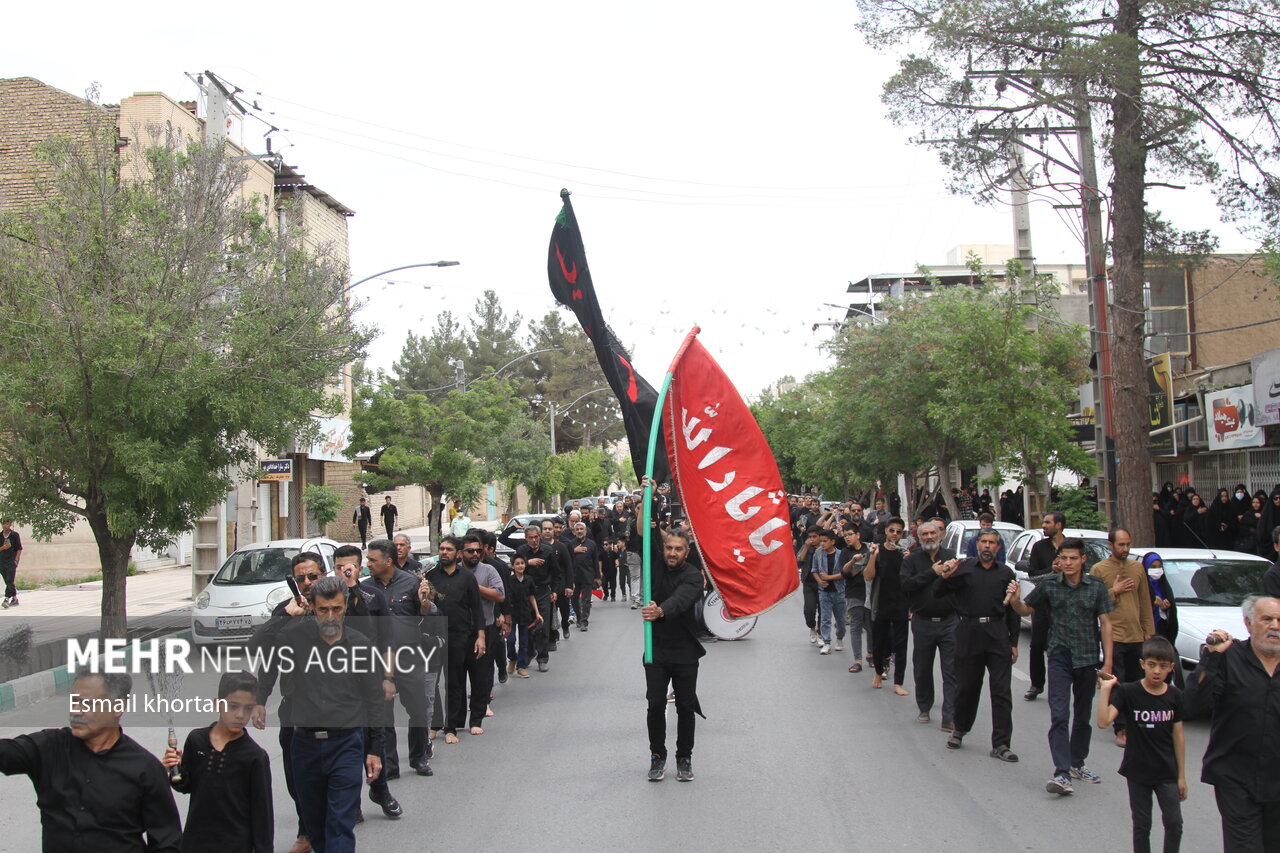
x,y
824,650
839,645
813,637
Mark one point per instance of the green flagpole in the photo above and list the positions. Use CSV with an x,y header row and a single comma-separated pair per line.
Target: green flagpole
x,y
646,581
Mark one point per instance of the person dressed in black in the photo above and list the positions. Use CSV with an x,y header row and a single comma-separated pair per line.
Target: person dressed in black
x,y
227,776
1237,685
402,555
96,788
389,514
585,554
456,593
10,555
362,518
1040,566
307,568
338,705
888,608
553,535
986,641
933,624
675,587
542,569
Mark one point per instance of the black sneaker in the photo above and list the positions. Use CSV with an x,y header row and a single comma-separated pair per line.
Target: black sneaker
x,y
430,752
657,768
684,770
502,675
389,804
422,768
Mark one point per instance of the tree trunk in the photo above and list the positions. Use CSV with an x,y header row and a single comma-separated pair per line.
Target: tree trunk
x,y
114,553
1129,416
944,485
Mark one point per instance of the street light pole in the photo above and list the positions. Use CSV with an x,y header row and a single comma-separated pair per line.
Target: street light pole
x,y
397,269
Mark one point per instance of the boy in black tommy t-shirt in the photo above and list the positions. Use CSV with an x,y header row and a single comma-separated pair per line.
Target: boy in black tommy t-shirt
x,y
1155,753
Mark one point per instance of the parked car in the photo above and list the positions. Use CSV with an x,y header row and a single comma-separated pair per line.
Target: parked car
x,y
959,534
511,536
1208,586
1018,555
584,503
248,586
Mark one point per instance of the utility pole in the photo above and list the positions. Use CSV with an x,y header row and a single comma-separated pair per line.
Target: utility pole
x,y
552,410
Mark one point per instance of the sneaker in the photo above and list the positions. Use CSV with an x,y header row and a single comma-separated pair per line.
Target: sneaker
x,y
813,637
839,645
502,676
523,673
1059,785
657,768
684,770
5,604
824,649
542,666
922,718
511,666
1032,693
1084,774
635,606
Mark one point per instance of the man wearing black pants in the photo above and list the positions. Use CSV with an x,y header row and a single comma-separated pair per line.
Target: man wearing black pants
x,y
675,588
986,641
492,595
1236,685
457,595
1040,566
808,583
540,567
552,534
888,608
933,624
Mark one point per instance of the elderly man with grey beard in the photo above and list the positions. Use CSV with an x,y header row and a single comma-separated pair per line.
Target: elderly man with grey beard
x,y
1237,684
933,623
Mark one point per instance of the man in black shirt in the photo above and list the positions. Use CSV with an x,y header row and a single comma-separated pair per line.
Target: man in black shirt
x,y
389,515
339,711
362,518
933,623
1040,565
888,607
457,595
808,583
676,586
402,555
986,640
540,565
585,555
401,628
1237,684
96,788
553,535
10,555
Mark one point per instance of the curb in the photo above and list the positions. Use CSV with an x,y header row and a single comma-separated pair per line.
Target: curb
x,y
30,689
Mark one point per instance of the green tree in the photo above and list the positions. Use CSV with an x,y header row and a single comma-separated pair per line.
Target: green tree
x,y
1184,91
444,445
322,503
587,471
563,375
485,341
156,333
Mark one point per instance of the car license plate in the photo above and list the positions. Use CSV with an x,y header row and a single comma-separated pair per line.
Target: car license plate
x,y
233,623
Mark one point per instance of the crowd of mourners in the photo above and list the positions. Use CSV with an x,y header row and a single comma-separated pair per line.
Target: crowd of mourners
x,y
1109,631
1231,520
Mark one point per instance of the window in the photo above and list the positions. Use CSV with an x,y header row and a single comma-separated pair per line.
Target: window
x,y
1164,295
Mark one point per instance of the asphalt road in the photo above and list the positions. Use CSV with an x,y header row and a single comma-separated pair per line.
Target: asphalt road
x,y
796,754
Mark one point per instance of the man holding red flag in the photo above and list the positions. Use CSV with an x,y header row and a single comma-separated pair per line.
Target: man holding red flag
x,y
676,652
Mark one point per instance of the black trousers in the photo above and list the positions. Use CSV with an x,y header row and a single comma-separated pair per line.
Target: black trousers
x,y
562,604
364,533
683,678
465,666
391,529
411,689
1126,663
810,605
1170,814
10,573
1041,621
983,649
610,585
1248,826
889,637
582,603
497,646
542,632
286,755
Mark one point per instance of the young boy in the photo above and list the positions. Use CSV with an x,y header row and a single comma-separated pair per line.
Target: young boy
x,y
624,572
1155,750
228,777
524,615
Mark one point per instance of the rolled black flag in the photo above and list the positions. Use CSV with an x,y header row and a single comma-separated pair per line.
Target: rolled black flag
x,y
571,286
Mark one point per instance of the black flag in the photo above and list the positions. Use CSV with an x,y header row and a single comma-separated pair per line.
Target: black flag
x,y
571,286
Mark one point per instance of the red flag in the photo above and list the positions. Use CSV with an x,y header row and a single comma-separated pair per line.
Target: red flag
x,y
729,485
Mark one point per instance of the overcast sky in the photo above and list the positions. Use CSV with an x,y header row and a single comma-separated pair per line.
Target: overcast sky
x,y
730,162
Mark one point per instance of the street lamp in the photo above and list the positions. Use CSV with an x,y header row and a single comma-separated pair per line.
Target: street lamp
x,y
552,411
513,361
397,269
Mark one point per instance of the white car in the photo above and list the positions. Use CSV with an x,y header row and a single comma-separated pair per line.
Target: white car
x,y
958,534
250,584
1208,587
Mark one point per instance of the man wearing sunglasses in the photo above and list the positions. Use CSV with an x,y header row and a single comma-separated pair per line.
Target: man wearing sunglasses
x,y
492,595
